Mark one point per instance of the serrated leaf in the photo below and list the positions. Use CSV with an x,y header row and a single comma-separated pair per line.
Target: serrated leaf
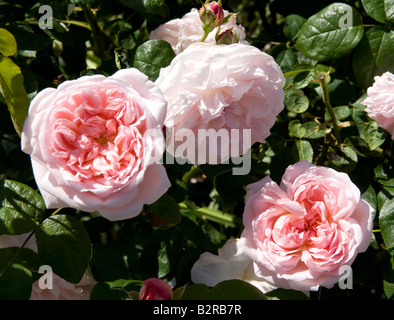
x,y
14,92
63,243
295,100
380,10
296,130
22,208
313,130
374,135
8,45
386,222
331,33
373,55
302,150
342,158
341,113
153,55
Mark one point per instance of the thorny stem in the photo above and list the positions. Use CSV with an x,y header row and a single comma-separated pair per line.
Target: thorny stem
x,y
326,99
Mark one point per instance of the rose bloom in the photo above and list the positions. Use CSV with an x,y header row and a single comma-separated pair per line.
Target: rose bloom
x,y
232,262
95,144
380,102
155,289
222,87
61,289
300,233
181,33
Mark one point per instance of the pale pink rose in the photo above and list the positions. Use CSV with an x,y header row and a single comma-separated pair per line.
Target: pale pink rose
x,y
380,102
61,289
232,262
181,33
221,88
301,233
155,289
95,144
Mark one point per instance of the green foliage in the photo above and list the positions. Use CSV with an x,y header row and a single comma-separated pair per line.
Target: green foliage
x,y
330,53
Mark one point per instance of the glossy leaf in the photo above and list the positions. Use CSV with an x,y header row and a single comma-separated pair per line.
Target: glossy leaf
x,y
380,10
64,244
16,277
373,55
296,101
153,55
331,33
386,222
22,208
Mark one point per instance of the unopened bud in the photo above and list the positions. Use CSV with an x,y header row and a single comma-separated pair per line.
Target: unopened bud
x,y
227,36
155,289
211,14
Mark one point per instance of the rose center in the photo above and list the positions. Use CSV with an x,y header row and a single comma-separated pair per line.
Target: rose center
x,y
97,134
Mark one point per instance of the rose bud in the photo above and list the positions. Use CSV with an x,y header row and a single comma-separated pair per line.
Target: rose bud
x,y
211,14
155,289
227,36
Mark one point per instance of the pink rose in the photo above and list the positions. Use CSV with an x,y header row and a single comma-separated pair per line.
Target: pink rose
x,y
300,233
229,89
155,289
380,102
61,289
181,33
95,144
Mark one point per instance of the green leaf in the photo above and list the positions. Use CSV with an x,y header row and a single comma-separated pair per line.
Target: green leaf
x,y
388,281
331,33
313,130
342,158
8,45
380,10
64,244
373,55
341,113
22,208
161,253
296,130
302,150
386,222
153,55
295,100
157,7
16,265
126,39
105,291
13,90
374,135
303,78
370,196
165,211
284,57
292,27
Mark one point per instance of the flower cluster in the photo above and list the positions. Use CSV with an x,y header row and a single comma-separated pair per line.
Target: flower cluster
x,y
96,144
